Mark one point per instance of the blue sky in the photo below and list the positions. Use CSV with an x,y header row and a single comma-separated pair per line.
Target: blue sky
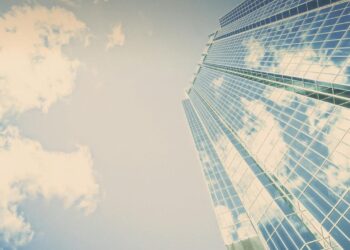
x,y
115,166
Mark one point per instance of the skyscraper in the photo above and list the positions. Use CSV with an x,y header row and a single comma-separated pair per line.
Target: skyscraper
x,y
269,111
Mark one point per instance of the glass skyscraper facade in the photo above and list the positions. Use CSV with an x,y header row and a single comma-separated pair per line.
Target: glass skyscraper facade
x,y
269,111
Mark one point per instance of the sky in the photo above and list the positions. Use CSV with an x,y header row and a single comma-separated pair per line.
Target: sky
x,y
95,150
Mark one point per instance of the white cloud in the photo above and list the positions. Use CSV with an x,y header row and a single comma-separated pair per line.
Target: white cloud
x,y
116,38
224,147
340,125
306,63
28,171
266,140
34,72
280,96
338,143
255,53
317,117
218,81
245,230
225,222
241,175
228,225
204,157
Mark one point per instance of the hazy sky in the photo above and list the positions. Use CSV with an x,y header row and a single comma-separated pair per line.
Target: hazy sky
x,y
90,98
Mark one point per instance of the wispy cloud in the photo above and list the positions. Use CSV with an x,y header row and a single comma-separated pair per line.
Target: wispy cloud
x,y
116,37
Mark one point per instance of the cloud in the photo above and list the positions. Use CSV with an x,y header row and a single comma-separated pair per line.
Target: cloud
x,y
309,64
116,38
303,62
225,221
218,81
229,226
280,96
337,175
245,229
238,171
255,53
263,134
31,171
34,72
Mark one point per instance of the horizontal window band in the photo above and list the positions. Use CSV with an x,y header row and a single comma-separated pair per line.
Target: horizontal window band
x,y
332,93
239,12
301,9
